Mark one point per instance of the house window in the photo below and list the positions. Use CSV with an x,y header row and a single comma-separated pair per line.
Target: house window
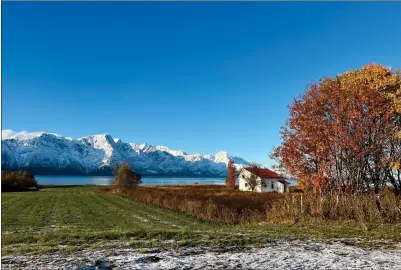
x,y
264,184
272,185
246,184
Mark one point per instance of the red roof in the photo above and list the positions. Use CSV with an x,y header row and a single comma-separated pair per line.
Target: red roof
x,y
265,173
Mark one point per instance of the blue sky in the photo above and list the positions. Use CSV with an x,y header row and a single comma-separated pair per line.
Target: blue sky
x,y
201,77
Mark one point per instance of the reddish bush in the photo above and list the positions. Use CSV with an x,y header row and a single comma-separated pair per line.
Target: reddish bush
x,y
231,175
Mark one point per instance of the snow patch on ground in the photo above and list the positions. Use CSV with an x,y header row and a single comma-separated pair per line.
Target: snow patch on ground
x,y
140,218
163,221
280,254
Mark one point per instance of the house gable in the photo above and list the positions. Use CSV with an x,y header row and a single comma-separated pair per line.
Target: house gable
x,y
243,185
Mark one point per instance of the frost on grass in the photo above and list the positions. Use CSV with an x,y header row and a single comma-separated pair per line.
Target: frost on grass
x,y
164,221
147,217
140,218
298,254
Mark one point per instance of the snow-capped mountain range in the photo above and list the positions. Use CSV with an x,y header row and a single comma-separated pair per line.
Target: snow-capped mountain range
x,y
48,153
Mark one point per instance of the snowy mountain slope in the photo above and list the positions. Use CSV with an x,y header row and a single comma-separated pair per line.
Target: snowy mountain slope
x,y
44,153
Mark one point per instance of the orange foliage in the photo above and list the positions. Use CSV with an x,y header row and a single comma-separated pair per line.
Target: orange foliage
x,y
231,175
342,133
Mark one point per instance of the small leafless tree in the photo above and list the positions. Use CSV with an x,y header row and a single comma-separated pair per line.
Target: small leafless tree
x,y
253,180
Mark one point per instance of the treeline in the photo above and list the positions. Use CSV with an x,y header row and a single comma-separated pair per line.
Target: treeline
x,y
18,181
344,134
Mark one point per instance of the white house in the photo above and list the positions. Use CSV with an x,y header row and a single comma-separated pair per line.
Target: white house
x,y
268,181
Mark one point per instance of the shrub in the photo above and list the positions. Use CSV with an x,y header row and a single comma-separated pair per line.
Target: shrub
x,y
126,177
296,189
18,181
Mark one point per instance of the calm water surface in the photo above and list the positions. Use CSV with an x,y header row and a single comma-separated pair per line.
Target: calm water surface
x,y
105,180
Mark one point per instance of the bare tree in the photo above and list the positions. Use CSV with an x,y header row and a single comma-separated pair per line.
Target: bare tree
x,y
253,179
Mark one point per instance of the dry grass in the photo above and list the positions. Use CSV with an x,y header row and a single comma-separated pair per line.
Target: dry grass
x,y
217,203
361,208
208,202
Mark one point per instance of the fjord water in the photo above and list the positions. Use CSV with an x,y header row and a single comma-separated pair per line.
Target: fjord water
x,y
105,180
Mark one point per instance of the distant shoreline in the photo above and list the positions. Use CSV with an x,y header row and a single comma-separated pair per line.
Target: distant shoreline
x,y
147,180
105,174
143,175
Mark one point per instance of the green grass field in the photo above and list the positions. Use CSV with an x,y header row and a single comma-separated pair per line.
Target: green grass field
x,y
70,218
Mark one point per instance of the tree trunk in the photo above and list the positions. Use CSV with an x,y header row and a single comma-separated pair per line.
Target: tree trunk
x,y
302,210
378,204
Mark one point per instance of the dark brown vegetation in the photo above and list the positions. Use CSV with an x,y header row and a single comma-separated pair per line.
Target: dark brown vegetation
x,y
218,203
18,181
295,189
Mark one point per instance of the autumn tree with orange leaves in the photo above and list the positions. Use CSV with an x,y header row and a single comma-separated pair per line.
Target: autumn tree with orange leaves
x,y
344,133
231,175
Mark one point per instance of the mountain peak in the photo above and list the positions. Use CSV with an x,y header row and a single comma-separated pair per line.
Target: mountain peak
x,y
221,153
144,147
24,135
222,156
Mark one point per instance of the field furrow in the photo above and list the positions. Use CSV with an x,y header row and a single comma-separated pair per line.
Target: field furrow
x,y
139,211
